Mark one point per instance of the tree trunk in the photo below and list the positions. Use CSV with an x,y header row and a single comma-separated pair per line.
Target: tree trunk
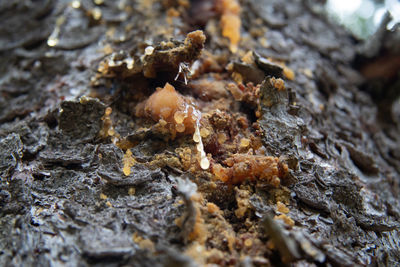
x,y
273,138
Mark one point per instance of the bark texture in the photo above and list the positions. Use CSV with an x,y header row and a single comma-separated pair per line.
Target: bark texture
x,y
71,193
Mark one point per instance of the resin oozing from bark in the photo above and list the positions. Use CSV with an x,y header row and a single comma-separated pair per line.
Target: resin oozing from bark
x,y
230,22
181,116
241,167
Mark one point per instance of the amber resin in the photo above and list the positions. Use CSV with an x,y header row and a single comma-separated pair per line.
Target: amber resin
x,y
241,167
177,114
230,22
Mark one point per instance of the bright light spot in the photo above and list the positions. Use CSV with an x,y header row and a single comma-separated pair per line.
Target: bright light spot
x,y
52,42
343,6
76,4
149,50
394,9
96,13
129,63
363,17
379,15
366,10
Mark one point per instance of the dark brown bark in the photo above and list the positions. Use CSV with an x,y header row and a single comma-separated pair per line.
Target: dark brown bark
x,y
65,197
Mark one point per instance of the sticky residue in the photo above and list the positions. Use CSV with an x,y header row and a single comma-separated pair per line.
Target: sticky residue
x,y
286,219
128,162
280,207
242,167
231,23
204,162
177,114
289,73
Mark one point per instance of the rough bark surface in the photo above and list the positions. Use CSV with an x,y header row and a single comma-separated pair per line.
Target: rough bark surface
x,y
65,195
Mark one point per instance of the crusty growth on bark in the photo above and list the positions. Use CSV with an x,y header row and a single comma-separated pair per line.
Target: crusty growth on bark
x,y
241,167
168,55
164,57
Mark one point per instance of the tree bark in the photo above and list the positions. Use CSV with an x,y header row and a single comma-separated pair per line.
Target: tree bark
x,y
299,127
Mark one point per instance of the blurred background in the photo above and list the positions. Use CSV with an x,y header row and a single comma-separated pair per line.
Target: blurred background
x,y
362,17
